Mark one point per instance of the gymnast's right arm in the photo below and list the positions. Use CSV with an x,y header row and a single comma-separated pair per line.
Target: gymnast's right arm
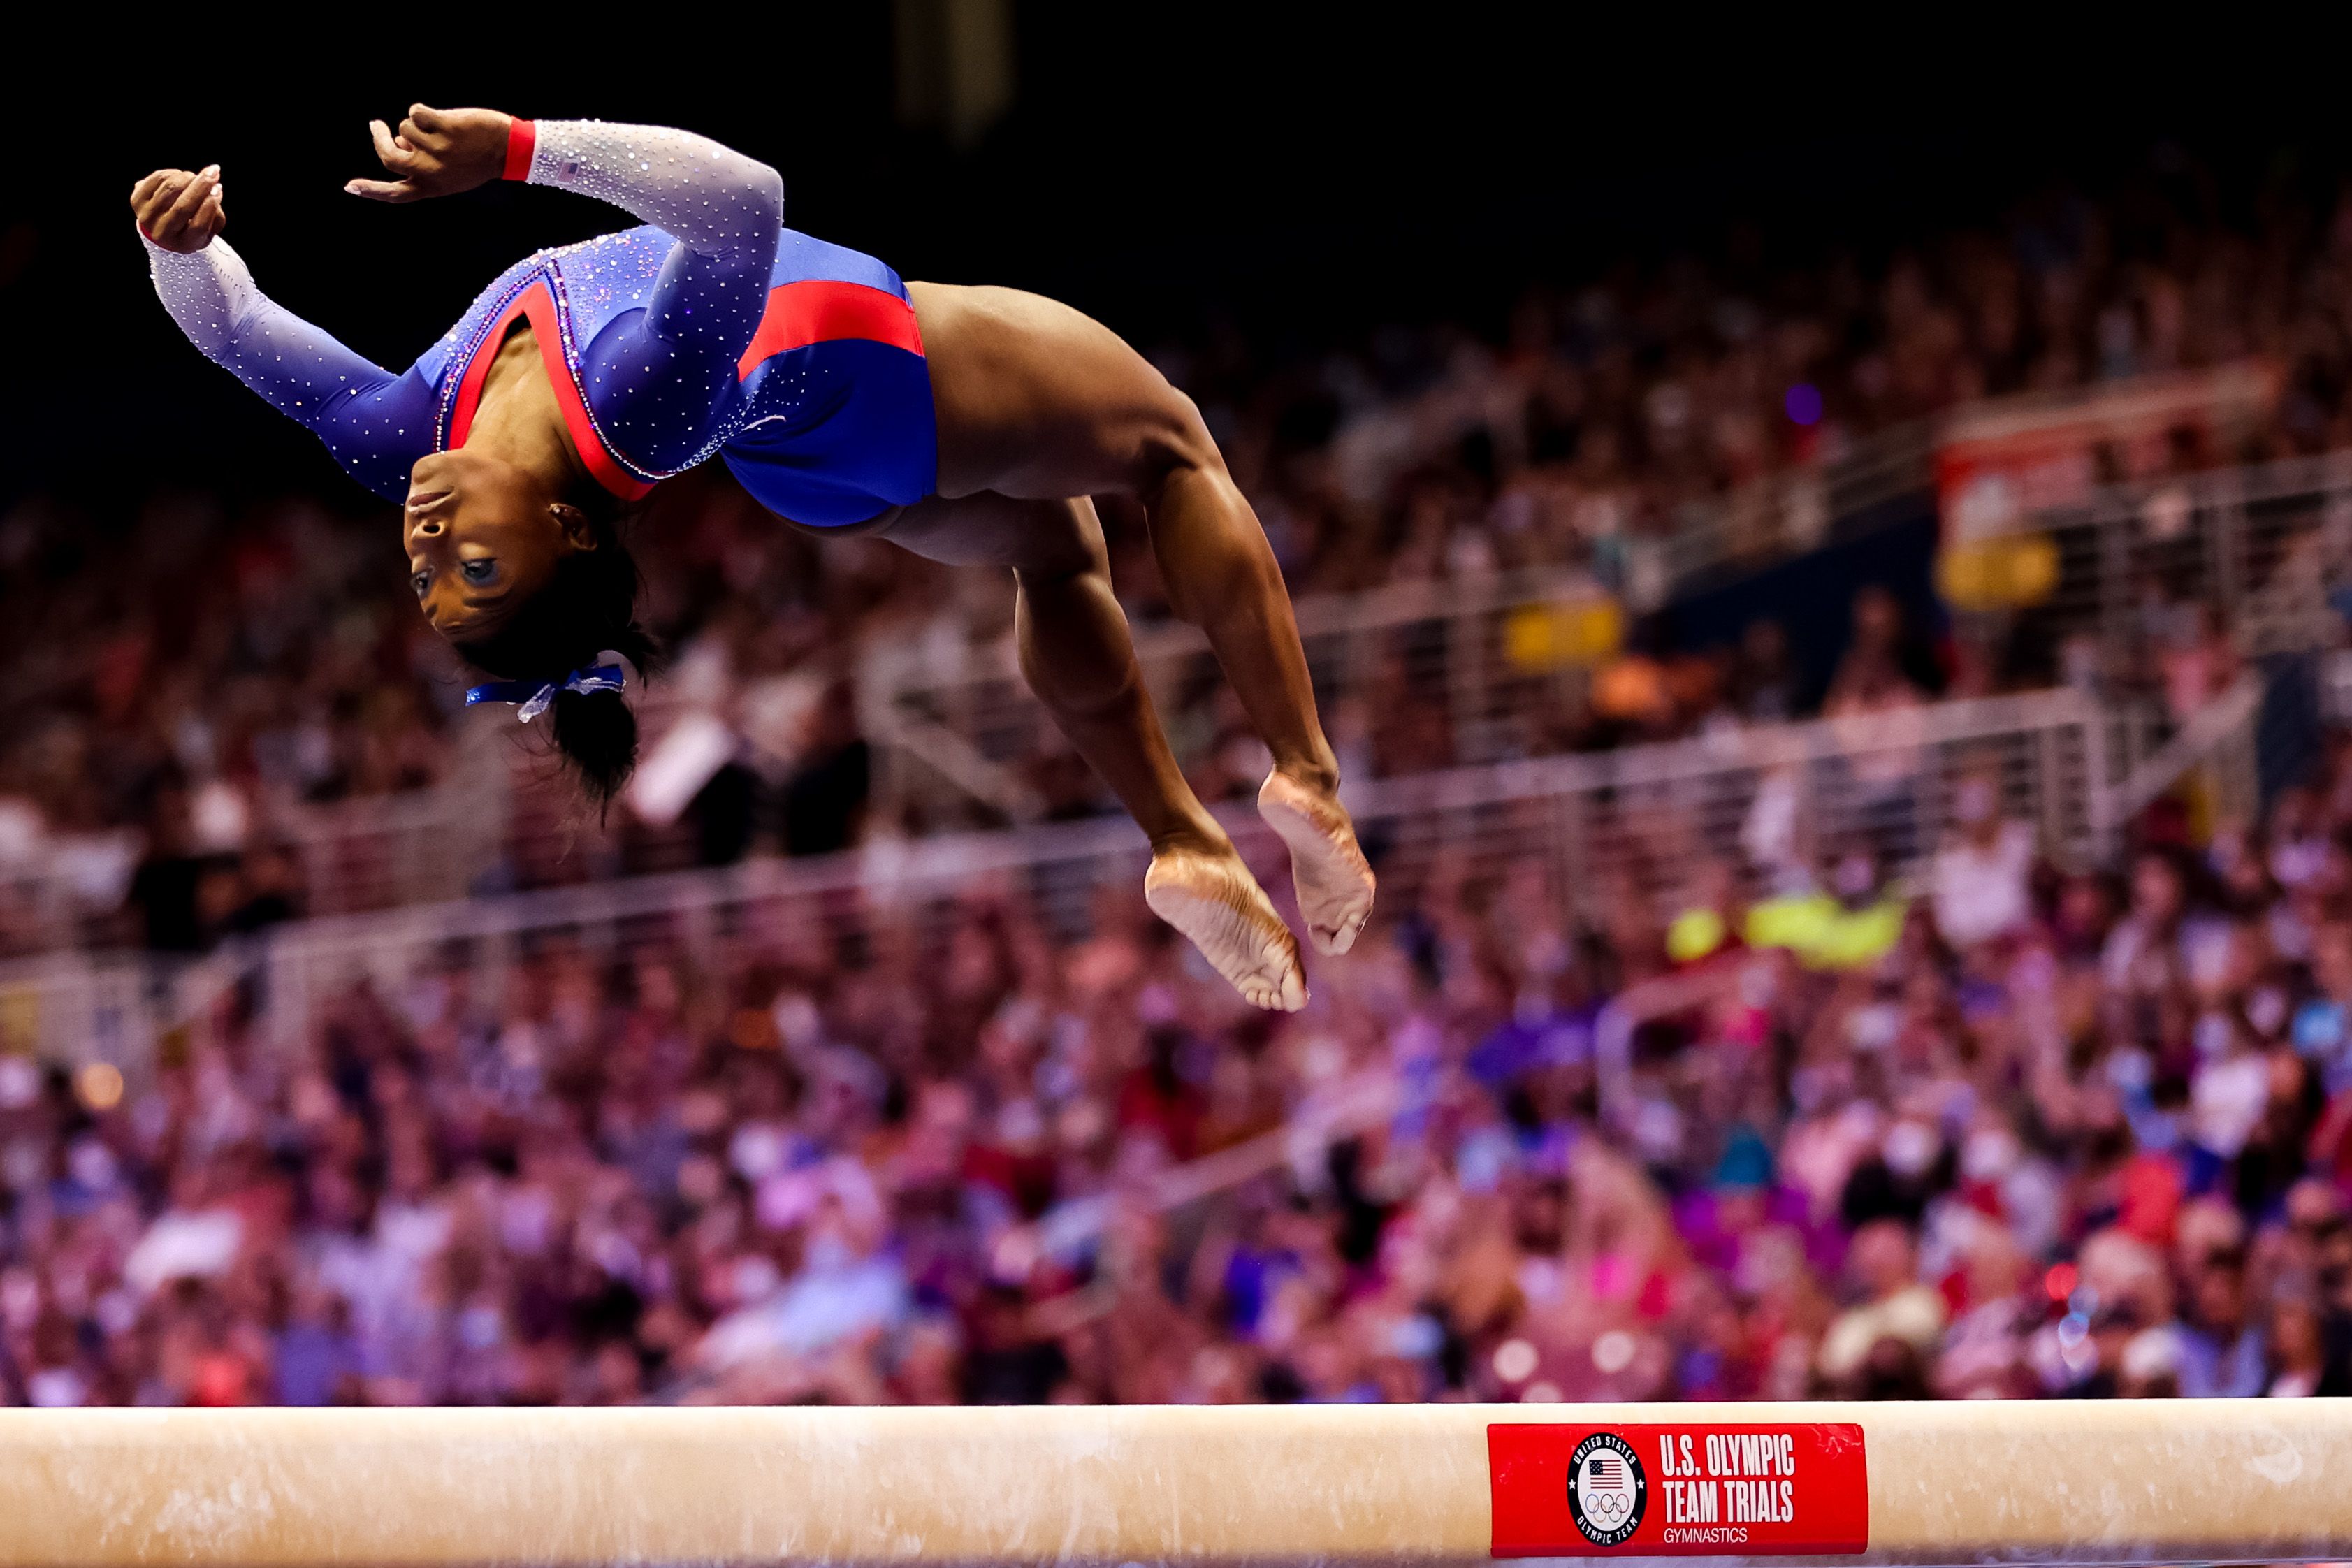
x,y
375,423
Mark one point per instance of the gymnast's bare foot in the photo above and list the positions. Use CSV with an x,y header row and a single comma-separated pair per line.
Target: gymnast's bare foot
x,y
1334,882
1210,896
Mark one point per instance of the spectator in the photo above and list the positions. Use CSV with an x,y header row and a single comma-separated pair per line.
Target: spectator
x,y
2198,659
1877,1343
2300,1364
2222,1355
1764,682
168,889
1979,881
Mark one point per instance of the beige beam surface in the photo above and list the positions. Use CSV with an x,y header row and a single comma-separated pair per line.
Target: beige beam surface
x,y
2144,1482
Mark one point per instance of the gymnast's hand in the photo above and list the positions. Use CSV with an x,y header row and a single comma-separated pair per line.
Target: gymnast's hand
x,y
436,152
180,211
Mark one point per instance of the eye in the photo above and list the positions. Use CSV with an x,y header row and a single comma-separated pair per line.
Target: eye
x,y
480,571
421,582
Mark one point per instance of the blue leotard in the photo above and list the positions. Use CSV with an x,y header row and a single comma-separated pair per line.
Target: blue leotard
x,y
713,332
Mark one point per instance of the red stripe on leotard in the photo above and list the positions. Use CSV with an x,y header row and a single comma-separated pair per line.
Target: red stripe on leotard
x,y
538,304
821,310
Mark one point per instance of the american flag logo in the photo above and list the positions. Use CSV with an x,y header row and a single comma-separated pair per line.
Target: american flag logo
x,y
1604,1491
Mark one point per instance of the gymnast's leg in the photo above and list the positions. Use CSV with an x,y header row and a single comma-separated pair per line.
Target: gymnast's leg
x,y
1078,658
1036,400
1221,576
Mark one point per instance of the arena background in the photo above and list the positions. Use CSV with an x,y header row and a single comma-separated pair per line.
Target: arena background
x,y
648,1140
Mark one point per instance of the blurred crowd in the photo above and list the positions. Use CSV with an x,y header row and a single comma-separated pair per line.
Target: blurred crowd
x,y
185,674
2024,1129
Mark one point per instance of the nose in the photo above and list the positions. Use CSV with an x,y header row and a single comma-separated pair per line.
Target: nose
x,y
429,527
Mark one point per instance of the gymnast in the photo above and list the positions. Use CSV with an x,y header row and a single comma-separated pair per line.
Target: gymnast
x,y
969,425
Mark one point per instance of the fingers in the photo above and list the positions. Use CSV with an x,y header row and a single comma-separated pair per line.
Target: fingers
x,y
395,154
191,197
393,191
170,225
151,197
434,152
157,189
421,131
399,156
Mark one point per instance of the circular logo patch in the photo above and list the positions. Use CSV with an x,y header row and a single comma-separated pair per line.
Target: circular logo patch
x,y
1606,1488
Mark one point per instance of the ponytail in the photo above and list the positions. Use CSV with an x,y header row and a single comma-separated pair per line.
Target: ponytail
x,y
587,607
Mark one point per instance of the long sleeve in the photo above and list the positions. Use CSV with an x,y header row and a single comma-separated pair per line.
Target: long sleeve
x,y
715,201
659,378
375,423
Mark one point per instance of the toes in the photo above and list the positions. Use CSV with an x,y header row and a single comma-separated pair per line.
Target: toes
x,y
1335,939
1333,879
1225,916
1287,990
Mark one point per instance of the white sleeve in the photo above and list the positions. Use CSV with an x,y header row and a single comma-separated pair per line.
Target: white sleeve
x,y
300,368
714,199
206,292
375,423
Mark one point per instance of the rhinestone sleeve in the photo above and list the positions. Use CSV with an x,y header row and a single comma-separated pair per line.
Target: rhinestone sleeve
x,y
713,199
656,378
375,423
206,292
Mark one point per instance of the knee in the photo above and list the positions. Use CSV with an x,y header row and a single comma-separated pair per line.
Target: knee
x,y
1066,547
1174,446
1214,555
1073,643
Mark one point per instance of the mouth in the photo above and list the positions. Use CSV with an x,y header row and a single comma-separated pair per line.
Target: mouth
x,y
426,501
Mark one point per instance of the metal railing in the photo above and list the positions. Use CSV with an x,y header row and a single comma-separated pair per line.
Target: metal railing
x,y
75,1008
41,909
422,846
1645,821
1587,834
1480,653
503,818
2219,738
2265,546
2262,548
1780,515
373,853
1488,657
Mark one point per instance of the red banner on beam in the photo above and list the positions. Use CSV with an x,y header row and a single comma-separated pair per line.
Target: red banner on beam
x,y
1678,1489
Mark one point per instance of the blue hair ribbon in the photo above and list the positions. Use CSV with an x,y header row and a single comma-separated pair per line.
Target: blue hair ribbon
x,y
534,697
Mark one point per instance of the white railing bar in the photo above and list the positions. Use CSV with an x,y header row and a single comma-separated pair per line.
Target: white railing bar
x,y
2216,724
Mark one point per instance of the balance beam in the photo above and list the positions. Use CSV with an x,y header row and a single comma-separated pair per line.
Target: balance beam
x,y
2154,1482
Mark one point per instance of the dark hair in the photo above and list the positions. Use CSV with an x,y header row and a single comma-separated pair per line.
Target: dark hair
x,y
589,605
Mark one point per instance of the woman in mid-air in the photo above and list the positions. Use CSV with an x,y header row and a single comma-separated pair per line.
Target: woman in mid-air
x,y
970,425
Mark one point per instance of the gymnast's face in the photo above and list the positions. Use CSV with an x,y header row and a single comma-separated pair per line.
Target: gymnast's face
x,y
482,535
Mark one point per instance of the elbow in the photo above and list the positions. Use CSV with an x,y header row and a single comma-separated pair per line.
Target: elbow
x,y
765,195
754,203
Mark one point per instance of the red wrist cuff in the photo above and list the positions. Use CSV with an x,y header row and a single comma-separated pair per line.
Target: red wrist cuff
x,y
523,140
